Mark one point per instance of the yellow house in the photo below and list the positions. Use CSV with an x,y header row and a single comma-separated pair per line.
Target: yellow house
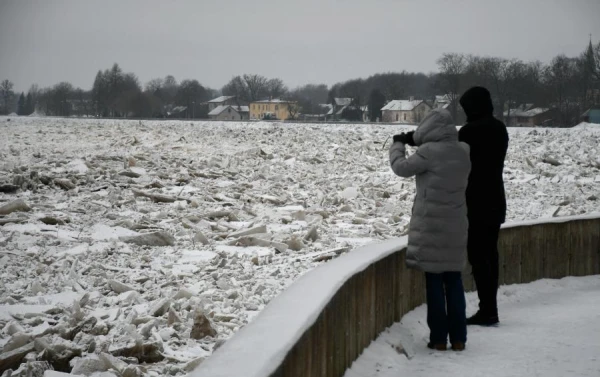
x,y
275,108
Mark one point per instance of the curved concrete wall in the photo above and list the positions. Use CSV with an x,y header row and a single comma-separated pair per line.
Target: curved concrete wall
x,y
323,321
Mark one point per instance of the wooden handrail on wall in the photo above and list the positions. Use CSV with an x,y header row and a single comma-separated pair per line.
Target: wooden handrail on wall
x,y
322,322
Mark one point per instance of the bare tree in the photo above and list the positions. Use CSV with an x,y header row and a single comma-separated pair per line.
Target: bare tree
x,y
276,88
559,76
376,102
257,86
6,87
115,79
503,77
309,98
353,89
494,69
125,93
170,81
34,90
237,87
32,98
531,85
100,95
514,77
169,89
452,70
83,103
597,60
596,92
292,108
57,99
154,85
248,88
191,94
315,93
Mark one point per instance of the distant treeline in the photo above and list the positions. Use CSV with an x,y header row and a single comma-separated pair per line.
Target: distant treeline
x,y
570,85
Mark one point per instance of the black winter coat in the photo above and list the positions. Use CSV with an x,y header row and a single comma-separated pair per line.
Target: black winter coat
x,y
488,140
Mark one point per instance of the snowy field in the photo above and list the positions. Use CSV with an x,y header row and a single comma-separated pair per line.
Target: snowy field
x,y
547,328
135,232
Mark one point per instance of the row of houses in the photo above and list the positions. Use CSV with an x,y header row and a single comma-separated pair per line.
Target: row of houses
x,y
413,111
400,111
228,108
529,116
409,111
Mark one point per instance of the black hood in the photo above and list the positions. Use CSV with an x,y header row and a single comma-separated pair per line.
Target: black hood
x,y
477,103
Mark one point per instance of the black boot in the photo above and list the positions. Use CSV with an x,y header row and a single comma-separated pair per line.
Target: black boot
x,y
481,319
437,346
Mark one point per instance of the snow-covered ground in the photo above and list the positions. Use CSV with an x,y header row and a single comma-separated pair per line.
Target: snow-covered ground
x,y
547,328
241,209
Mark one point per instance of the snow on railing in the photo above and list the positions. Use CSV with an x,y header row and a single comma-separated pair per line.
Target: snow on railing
x,y
321,323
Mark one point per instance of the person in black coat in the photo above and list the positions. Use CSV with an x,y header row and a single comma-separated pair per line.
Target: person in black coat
x,y
486,200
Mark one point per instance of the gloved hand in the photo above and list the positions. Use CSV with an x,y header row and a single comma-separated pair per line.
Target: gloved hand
x,y
399,138
405,138
410,138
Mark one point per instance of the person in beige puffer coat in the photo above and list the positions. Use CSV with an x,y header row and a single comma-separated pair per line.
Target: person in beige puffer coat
x,y
437,237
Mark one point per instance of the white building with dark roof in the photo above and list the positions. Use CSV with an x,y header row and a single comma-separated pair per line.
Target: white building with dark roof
x,y
229,112
221,101
529,116
405,111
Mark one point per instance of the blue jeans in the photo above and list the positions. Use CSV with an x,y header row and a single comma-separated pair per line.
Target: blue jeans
x,y
446,307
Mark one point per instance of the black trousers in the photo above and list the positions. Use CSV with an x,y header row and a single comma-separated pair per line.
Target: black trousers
x,y
482,249
446,307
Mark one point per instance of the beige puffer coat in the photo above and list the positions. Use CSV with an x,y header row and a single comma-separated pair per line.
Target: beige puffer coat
x,y
437,238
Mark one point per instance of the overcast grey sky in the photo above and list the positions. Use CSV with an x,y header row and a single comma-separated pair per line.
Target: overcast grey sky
x,y
299,41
